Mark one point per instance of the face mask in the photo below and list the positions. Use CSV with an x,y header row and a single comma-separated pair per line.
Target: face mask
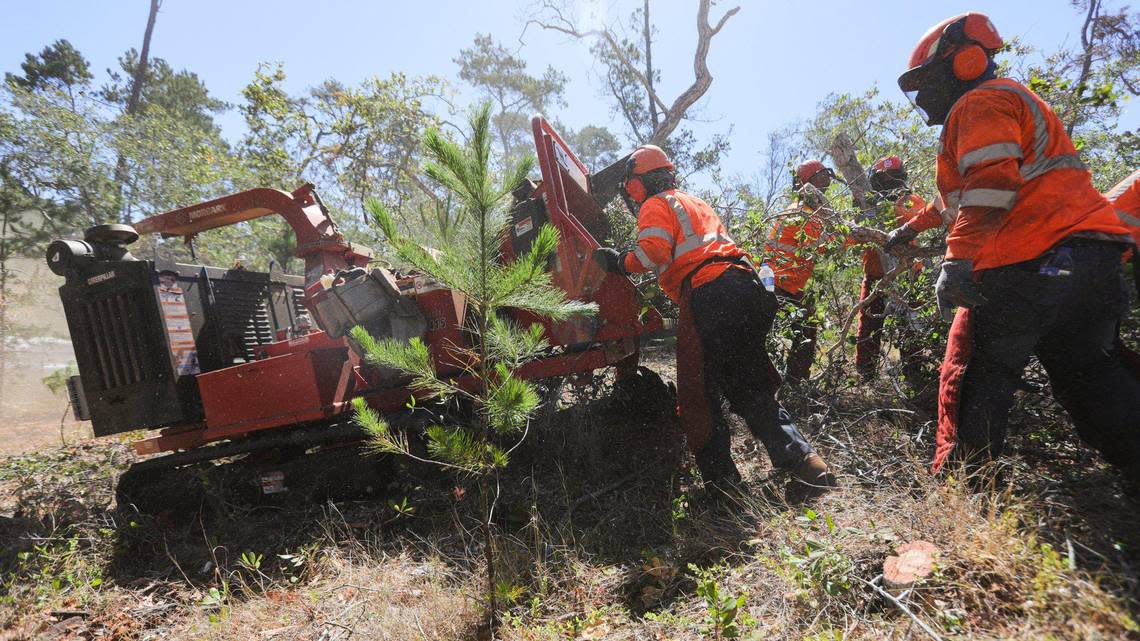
x,y
942,90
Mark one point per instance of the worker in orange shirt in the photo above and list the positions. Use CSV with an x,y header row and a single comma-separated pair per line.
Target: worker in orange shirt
x,y
726,314
794,240
1033,256
1125,198
888,179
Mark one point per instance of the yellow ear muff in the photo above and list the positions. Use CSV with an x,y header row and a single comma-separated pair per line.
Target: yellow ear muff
x,y
970,63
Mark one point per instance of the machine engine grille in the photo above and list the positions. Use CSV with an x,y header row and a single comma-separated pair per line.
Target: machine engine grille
x,y
110,329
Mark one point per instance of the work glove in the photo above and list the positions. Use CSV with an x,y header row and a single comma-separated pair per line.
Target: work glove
x,y
610,260
956,287
899,236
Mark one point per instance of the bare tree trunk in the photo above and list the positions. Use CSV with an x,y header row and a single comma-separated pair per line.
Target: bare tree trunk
x,y
648,34
6,214
137,82
1087,44
487,501
144,58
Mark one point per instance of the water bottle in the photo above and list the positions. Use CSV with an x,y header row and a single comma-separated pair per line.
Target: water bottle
x,y
767,277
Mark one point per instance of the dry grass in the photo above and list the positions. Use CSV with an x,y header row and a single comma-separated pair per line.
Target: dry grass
x,y
360,595
604,534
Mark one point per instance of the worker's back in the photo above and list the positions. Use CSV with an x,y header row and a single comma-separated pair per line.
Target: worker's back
x,y
1004,149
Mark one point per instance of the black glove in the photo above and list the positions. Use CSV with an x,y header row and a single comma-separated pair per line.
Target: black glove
x,y
956,287
899,236
610,260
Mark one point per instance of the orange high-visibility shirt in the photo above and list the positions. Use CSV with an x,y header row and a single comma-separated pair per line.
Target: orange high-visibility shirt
x,y
1012,181
676,232
1125,199
790,240
913,211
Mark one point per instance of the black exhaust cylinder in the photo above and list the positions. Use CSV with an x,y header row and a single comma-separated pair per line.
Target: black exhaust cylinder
x,y
65,255
110,241
101,242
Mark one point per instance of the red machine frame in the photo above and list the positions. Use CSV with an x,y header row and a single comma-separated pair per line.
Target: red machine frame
x,y
314,377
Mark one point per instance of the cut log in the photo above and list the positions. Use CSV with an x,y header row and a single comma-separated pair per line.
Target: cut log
x,y
910,563
843,153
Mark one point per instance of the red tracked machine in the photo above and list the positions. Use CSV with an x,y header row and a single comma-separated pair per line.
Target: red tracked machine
x,y
228,361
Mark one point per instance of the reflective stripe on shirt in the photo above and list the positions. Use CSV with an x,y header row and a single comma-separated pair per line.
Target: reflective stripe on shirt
x,y
682,216
949,213
999,198
1123,186
996,151
690,241
1128,219
647,262
656,232
693,243
1041,163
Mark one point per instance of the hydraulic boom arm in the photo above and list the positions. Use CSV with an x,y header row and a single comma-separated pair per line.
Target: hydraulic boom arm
x,y
319,242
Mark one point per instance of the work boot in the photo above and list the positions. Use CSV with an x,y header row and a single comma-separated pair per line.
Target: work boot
x,y
716,465
810,478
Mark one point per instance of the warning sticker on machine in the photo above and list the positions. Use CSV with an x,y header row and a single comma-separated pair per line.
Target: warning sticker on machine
x,y
176,318
424,285
273,482
570,166
523,226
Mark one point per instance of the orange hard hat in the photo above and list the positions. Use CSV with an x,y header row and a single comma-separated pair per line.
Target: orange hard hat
x,y
886,163
643,160
887,174
954,35
809,168
647,158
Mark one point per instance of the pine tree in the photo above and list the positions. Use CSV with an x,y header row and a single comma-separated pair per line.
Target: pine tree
x,y
469,262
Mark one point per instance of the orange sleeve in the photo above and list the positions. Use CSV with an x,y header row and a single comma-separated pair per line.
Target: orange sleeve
x,y
632,264
987,136
1125,196
929,217
656,237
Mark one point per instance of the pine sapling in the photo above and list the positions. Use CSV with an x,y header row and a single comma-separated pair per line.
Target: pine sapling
x,y
468,262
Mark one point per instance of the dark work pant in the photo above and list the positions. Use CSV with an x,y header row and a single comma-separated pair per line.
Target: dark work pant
x,y
801,353
1070,324
1136,269
733,315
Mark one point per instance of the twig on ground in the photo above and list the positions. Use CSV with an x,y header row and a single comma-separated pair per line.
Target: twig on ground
x,y
873,584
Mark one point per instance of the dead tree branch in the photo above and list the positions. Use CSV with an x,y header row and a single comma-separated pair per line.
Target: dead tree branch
x,y
553,17
1088,44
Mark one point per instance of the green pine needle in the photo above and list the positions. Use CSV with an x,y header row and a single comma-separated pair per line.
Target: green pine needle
x,y
456,446
509,344
510,402
381,439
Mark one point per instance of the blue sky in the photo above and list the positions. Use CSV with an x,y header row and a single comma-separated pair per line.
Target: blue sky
x,y
772,63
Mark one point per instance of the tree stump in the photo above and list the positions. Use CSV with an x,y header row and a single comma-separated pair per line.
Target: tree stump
x,y
910,563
